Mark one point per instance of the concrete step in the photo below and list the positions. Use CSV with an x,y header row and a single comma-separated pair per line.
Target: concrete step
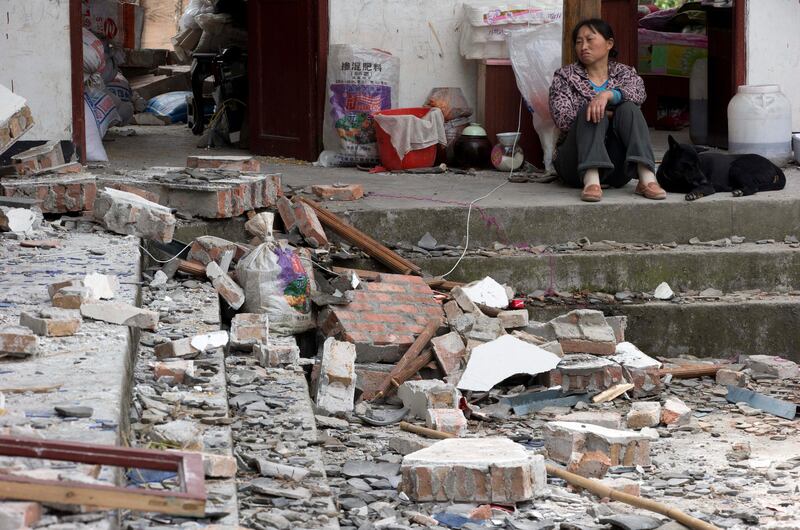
x,y
725,328
687,267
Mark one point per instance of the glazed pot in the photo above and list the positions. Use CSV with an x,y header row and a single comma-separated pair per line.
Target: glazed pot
x,y
473,149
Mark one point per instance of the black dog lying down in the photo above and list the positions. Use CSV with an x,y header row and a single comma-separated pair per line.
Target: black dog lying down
x,y
686,169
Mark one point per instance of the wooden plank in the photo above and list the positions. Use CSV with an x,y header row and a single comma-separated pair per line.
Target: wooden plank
x,y
160,22
612,393
574,12
692,371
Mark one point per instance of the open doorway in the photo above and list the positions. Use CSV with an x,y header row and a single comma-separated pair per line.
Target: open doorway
x,y
691,57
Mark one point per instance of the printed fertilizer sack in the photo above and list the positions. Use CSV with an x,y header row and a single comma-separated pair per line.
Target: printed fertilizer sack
x,y
361,82
277,280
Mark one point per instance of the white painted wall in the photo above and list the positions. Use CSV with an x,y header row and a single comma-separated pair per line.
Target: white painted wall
x,y
35,63
773,48
409,30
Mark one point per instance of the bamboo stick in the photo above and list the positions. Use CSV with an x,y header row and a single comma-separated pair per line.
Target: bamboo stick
x,y
378,251
400,372
424,431
603,491
692,371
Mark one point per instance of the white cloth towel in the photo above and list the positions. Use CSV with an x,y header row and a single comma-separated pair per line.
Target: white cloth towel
x,y
409,133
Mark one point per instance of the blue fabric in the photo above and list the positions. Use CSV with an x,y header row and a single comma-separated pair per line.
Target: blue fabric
x,y
616,100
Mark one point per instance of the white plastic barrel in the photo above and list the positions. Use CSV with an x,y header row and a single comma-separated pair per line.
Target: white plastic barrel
x,y
760,122
698,102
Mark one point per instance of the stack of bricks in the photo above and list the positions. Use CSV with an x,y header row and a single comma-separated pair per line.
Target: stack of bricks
x,y
384,318
56,193
38,158
16,121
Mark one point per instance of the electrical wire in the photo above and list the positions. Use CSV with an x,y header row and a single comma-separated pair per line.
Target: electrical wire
x,y
471,204
162,261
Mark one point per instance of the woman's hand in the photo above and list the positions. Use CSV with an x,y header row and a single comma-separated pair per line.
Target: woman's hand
x,y
597,107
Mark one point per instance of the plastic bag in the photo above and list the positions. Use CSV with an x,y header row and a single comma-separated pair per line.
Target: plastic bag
x,y
360,83
450,101
195,7
95,152
120,87
103,109
535,56
277,280
171,105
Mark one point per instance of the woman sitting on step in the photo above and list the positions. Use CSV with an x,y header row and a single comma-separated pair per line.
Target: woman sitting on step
x,y
595,102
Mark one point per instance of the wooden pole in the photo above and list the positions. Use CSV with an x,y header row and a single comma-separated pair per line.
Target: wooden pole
x,y
692,371
424,431
603,491
574,12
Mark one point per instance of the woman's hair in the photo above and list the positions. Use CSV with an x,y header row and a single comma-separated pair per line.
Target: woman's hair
x,y
600,26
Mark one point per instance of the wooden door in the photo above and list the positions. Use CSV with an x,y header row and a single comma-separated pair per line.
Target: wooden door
x,y
623,17
287,58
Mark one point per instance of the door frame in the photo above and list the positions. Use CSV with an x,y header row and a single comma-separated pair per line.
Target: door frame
x,y
740,43
76,66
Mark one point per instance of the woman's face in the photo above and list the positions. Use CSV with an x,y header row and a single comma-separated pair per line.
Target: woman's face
x,y
591,47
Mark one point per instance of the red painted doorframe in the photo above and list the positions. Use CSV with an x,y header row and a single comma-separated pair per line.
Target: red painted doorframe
x,y
740,43
76,63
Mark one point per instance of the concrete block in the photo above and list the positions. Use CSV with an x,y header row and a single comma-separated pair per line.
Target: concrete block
x,y
52,322
485,329
543,330
513,319
175,349
128,214
177,370
72,297
771,367
419,396
219,466
55,193
585,373
449,349
249,329
623,485
278,351
464,301
675,412
590,464
336,386
309,225
732,378
623,448
643,370
643,414
602,418
15,515
451,421
585,331
338,192
228,289
491,363
405,444
18,341
120,313
619,324
244,164
474,470
206,249
452,311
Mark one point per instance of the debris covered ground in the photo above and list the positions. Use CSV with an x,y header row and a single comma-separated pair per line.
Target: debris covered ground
x,y
323,396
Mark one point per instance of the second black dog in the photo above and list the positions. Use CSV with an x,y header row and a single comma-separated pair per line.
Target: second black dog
x,y
686,169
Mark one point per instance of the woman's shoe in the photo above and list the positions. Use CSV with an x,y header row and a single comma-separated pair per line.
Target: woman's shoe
x,y
651,190
592,193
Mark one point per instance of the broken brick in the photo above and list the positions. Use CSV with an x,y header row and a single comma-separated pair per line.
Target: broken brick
x,y
642,370
451,421
249,329
623,448
19,514
338,192
38,158
336,385
219,466
419,396
603,418
286,211
128,214
309,225
591,464
584,331
56,193
517,318
127,188
175,348
772,367
278,351
644,414
228,289
585,373
461,470
244,164
18,341
623,485
449,349
675,412
121,314
177,370
72,297
52,322
206,249
732,378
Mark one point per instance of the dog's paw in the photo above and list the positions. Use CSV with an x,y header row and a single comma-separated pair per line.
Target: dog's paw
x,y
694,196
737,193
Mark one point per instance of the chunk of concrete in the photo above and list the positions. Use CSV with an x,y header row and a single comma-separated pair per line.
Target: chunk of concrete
x,y
644,414
249,329
675,412
52,322
219,466
643,370
585,373
491,363
515,319
101,286
228,289
19,220
72,297
128,214
487,292
206,249
181,433
336,386
602,418
451,421
584,331
623,448
419,396
175,349
338,192
464,302
18,341
209,341
279,351
449,349
475,470
484,329
619,324
176,370
771,367
732,378
121,313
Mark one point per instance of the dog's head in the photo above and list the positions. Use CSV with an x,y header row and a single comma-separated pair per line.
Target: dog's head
x,y
680,169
